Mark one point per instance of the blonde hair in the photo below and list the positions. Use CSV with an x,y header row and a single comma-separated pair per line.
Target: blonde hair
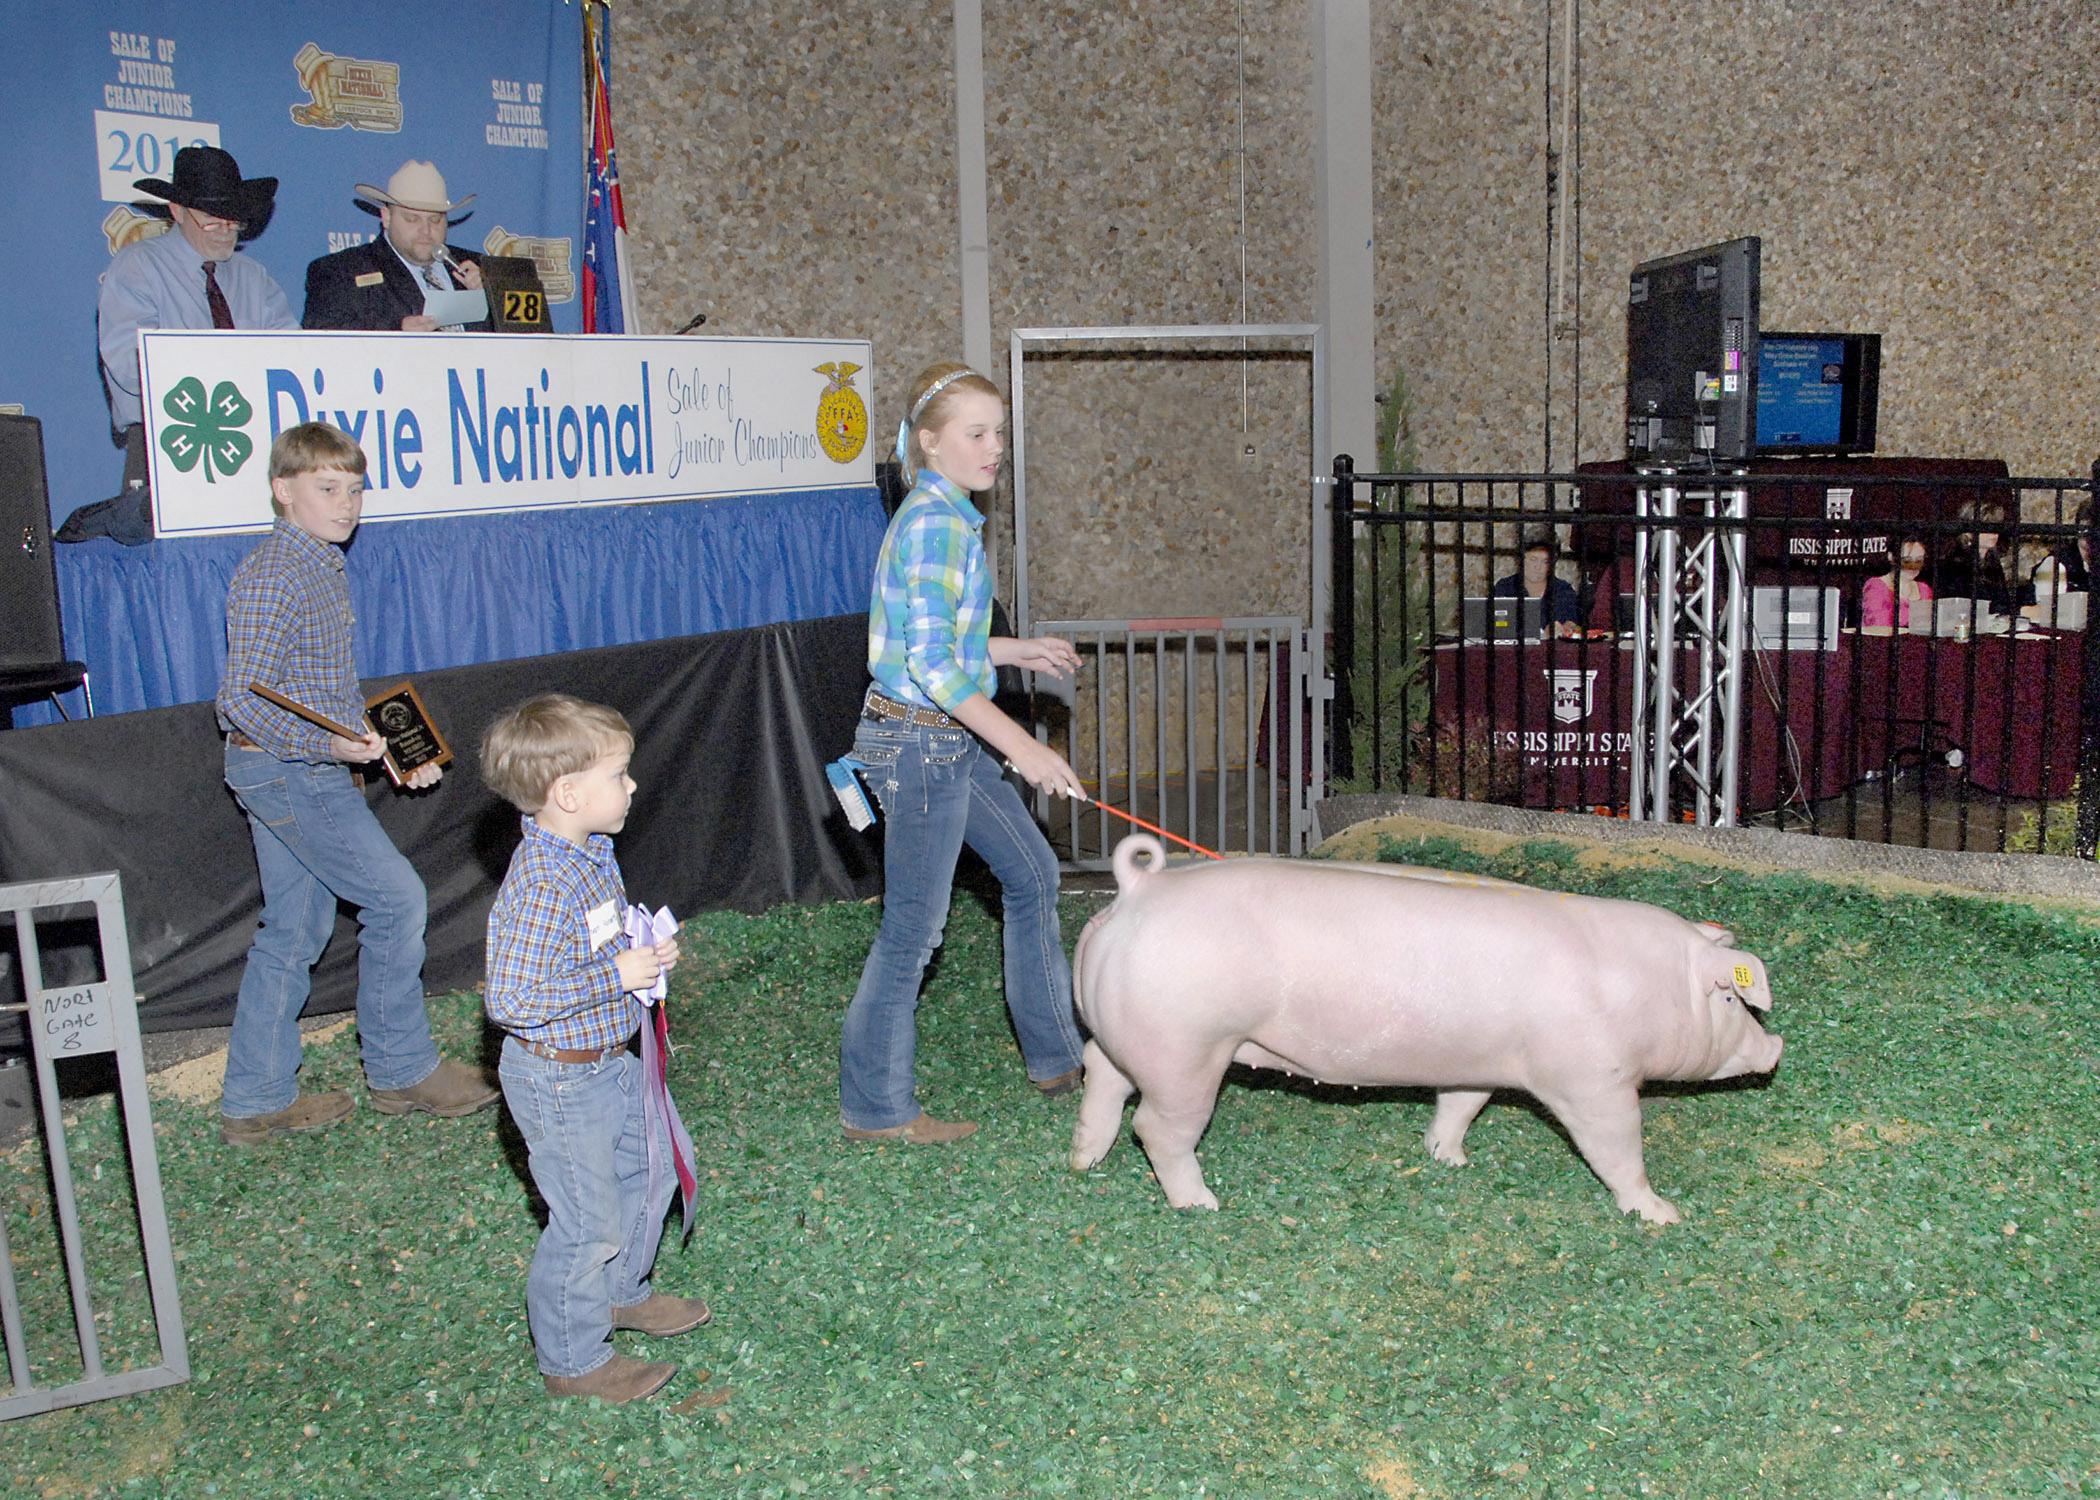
x,y
543,739
314,445
923,413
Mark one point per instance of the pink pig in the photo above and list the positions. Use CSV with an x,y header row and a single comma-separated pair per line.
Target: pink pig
x,y
1383,975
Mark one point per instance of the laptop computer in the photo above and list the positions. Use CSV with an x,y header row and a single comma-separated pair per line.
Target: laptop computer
x,y
1794,617
1501,620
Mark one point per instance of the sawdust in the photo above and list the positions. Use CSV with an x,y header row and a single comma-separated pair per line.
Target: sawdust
x,y
1393,1479
1359,841
197,1081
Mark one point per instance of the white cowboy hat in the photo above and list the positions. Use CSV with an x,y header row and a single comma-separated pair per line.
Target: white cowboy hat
x,y
418,185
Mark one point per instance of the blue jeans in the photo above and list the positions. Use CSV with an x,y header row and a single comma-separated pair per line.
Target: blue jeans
x,y
316,842
939,790
589,1153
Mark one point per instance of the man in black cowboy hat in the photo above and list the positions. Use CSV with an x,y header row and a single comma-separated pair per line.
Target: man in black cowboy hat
x,y
383,285
195,276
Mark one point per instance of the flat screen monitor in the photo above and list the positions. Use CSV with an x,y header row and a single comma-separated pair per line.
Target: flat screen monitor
x,y
1794,617
1691,354
1817,392
1501,620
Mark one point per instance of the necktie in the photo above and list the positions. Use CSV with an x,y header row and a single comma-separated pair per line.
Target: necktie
x,y
430,278
221,314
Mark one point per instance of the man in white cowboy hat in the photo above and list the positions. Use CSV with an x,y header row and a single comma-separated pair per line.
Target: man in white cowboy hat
x,y
192,278
382,285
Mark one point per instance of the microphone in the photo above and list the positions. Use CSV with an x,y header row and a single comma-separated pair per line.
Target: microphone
x,y
690,324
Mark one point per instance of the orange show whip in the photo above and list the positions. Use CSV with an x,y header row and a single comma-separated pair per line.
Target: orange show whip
x,y
1150,827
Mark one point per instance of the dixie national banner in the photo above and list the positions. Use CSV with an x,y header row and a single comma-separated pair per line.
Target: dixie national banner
x,y
99,94
453,424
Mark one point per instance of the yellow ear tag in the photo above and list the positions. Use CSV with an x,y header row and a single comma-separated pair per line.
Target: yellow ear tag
x,y
1744,979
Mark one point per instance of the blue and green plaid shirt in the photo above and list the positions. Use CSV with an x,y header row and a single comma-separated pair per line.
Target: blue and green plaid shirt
x,y
289,626
547,981
930,620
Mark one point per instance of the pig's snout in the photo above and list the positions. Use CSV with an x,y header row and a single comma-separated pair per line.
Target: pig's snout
x,y
1758,1052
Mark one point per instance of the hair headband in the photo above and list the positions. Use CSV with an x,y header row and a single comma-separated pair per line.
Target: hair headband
x,y
904,427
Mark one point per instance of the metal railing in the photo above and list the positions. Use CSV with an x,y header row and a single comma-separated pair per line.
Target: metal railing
x,y
1972,725
1198,725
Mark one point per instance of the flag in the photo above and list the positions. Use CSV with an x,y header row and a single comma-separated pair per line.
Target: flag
x,y
605,279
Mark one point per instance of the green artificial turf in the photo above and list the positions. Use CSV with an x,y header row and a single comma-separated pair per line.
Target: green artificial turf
x,y
1885,1283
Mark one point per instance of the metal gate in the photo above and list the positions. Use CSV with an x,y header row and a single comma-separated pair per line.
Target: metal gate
x,y
68,1021
1197,725
1215,728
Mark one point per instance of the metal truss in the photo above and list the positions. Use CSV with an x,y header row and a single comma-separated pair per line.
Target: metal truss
x,y
1690,595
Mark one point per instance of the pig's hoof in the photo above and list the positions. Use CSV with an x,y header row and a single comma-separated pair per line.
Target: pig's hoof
x,y
1451,1155
1653,1208
1205,1199
1085,1161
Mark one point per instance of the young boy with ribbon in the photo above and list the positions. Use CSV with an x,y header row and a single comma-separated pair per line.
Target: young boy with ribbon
x,y
571,970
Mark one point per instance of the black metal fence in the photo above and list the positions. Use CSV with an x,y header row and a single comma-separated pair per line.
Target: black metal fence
x,y
1969,720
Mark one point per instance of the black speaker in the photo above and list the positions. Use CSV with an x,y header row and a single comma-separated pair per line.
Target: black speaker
x,y
29,631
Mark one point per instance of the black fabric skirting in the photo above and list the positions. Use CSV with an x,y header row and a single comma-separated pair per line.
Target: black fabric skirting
x,y
731,734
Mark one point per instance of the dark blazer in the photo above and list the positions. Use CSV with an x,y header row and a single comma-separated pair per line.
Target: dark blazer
x,y
340,291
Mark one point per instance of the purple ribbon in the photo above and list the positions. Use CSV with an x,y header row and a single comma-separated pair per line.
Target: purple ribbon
x,y
645,929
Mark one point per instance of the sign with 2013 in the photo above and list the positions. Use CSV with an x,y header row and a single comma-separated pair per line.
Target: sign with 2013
x,y
453,424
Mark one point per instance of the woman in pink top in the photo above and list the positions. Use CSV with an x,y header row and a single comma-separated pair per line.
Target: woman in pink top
x,y
1886,600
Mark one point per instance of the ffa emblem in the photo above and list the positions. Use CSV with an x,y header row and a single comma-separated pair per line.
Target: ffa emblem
x,y
1573,690
842,421
347,91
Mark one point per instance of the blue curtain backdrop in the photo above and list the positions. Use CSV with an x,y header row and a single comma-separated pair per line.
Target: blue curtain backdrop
x,y
96,93
150,621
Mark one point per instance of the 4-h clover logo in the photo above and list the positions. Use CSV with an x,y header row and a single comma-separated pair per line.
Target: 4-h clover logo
x,y
207,430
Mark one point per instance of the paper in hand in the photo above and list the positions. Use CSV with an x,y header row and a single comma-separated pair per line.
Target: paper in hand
x,y
645,930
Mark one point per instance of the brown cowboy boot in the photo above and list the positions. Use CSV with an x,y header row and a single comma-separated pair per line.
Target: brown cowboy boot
x,y
661,1316
454,1089
617,1381
303,1116
924,1131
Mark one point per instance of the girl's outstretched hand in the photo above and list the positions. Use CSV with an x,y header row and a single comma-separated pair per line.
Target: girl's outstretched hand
x,y
1036,653
1047,771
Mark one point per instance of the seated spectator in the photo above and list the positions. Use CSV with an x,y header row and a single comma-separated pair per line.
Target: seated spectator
x,y
383,285
1971,564
1886,601
1536,580
2064,567
195,277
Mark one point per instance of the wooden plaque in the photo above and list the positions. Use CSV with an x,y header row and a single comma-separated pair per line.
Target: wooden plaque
x,y
412,738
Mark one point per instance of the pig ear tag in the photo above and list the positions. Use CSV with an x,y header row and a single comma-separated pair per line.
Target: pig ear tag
x,y
1744,979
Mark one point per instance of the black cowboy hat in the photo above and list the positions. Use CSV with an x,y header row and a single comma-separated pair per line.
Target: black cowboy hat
x,y
209,180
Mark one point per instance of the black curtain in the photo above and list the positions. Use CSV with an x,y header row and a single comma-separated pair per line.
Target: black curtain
x,y
731,734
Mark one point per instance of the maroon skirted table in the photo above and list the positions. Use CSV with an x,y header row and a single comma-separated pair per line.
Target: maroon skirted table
x,y
1557,716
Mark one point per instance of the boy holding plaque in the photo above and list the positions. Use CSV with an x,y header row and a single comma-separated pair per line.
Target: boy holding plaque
x,y
564,973
289,629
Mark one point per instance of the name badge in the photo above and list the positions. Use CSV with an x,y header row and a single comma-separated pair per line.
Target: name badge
x,y
603,923
371,278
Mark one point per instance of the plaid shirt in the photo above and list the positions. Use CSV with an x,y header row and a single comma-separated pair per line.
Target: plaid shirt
x,y
930,621
289,626
547,981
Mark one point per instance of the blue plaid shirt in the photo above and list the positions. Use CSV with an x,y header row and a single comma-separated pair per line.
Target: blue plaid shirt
x,y
547,980
930,621
289,626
